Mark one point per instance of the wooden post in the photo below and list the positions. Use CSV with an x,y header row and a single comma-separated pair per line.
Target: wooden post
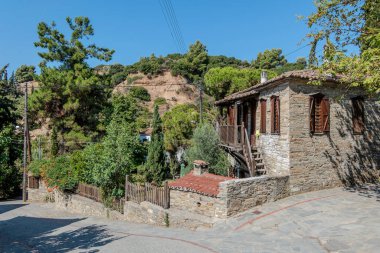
x,y
126,187
167,195
249,118
236,124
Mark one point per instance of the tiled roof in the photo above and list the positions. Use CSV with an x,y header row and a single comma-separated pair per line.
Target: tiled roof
x,y
205,184
308,74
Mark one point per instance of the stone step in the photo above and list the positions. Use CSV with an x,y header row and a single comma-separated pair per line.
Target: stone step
x,y
256,153
258,159
259,164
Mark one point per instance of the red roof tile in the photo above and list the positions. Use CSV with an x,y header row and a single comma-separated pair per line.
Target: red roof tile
x,y
205,184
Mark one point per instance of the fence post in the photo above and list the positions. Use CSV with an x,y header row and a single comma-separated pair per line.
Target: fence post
x,y
167,195
126,187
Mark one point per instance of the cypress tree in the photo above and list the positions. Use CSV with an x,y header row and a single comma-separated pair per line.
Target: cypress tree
x,y
155,164
54,142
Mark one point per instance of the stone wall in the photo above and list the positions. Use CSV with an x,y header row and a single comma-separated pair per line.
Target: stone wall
x,y
275,147
242,194
319,161
41,194
194,202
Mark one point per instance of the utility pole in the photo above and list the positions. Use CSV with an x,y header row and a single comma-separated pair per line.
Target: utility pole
x,y
24,176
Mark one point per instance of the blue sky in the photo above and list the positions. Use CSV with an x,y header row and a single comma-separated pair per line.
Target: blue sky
x,y
239,28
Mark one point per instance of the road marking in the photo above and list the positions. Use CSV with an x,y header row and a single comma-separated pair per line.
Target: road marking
x,y
279,210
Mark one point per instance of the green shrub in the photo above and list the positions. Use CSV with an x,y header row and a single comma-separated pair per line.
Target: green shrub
x,y
160,101
37,167
61,175
140,93
205,146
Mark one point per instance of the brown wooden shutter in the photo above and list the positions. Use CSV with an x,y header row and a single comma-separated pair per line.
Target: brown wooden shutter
x,y
277,115
263,118
312,114
358,115
325,106
272,114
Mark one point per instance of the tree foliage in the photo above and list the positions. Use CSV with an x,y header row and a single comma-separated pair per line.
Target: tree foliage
x,y
155,164
205,146
25,73
71,94
220,82
348,23
269,59
178,125
69,52
10,146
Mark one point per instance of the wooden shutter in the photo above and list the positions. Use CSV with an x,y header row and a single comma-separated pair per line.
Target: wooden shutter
x,y
312,114
272,114
277,115
325,114
263,118
358,115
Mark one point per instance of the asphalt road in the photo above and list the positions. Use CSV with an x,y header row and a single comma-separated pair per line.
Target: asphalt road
x,y
336,220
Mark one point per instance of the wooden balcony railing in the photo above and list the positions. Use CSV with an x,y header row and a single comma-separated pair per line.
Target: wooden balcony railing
x,y
231,135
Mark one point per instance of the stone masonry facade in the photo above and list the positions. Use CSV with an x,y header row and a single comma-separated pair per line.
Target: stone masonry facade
x,y
318,161
338,157
275,147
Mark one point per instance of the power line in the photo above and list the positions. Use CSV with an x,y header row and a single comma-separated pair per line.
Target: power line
x,y
176,23
298,49
171,22
169,26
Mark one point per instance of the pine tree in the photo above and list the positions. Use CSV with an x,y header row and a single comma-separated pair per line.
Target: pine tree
x,y
155,165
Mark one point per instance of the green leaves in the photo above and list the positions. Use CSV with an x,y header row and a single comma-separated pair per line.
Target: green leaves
x,y
69,52
353,23
155,164
220,82
178,124
205,146
269,59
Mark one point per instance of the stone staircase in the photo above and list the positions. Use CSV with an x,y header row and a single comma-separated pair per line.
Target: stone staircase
x,y
260,166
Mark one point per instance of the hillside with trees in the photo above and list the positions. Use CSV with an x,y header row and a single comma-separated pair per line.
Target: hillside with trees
x,y
85,122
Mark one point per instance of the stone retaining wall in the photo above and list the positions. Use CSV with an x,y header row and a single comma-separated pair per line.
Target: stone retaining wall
x,y
242,194
194,202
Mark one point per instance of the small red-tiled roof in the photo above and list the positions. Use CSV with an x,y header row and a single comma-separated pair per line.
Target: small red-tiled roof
x,y
205,184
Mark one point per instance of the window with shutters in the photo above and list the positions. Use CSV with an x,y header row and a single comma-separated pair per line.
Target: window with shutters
x,y
263,118
358,114
319,114
275,114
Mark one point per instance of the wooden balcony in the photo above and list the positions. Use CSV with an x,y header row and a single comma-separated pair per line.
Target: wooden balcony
x,y
231,135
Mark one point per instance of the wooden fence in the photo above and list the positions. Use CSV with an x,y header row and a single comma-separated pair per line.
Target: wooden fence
x,y
33,182
89,191
154,194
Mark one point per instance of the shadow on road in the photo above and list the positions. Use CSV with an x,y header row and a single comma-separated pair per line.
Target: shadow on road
x,y
30,234
9,207
369,191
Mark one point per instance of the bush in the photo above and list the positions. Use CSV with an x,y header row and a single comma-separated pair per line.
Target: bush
x,y
160,101
60,174
205,146
38,167
140,93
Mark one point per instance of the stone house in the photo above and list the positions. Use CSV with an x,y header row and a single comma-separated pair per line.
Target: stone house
x,y
320,136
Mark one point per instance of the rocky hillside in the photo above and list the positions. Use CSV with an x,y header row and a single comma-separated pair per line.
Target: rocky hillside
x,y
173,89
